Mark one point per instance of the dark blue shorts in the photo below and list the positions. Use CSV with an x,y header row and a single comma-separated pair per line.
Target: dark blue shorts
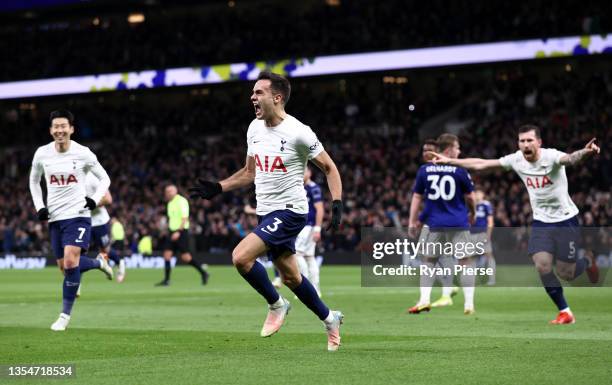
x,y
100,236
69,232
561,239
279,229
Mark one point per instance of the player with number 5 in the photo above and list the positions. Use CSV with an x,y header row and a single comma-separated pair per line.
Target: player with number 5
x,y
555,231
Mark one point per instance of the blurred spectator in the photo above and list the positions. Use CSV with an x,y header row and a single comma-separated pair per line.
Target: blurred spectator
x,y
145,146
76,42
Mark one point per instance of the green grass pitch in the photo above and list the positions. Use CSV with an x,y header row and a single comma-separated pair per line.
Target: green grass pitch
x,y
134,333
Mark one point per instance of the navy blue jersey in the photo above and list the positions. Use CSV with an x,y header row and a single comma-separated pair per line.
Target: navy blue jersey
x,y
483,211
443,188
314,195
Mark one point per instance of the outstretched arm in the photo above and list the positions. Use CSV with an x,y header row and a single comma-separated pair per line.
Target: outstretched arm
x,y
241,178
578,156
475,164
206,189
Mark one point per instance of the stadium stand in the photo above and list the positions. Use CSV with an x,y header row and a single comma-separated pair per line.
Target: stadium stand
x,y
145,141
88,41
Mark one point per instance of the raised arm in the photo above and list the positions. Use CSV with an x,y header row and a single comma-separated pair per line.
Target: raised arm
x,y
207,190
476,164
578,156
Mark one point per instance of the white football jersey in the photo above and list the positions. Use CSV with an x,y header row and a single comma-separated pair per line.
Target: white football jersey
x,y
546,184
99,216
64,174
281,154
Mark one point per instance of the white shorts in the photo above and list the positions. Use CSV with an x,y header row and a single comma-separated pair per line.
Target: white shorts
x,y
304,244
484,239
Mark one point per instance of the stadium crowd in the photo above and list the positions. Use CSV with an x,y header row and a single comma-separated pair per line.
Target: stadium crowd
x,y
196,35
371,135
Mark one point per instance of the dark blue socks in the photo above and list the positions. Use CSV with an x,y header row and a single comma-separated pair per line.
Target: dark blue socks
x,y
86,263
257,277
167,269
72,280
113,256
309,297
554,289
581,265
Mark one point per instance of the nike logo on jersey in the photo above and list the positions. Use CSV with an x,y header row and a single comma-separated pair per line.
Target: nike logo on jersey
x,y
78,240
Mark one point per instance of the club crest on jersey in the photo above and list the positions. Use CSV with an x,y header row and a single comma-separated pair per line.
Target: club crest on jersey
x,y
62,180
538,182
283,141
275,165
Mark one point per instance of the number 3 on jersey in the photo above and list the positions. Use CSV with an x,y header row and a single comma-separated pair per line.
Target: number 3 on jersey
x,y
443,187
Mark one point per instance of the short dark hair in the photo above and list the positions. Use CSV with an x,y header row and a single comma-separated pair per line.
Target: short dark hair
x,y
62,114
530,127
278,84
446,140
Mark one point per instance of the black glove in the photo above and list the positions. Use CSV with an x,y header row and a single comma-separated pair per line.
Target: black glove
x,y
90,203
43,214
205,189
336,215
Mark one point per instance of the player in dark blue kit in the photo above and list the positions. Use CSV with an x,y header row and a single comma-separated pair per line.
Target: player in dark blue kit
x,y
307,239
482,229
448,193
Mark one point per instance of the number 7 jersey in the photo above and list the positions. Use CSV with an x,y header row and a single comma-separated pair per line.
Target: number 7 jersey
x,y
64,174
443,188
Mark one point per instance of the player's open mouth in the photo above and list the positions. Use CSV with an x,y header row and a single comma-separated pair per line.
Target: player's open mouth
x,y
257,108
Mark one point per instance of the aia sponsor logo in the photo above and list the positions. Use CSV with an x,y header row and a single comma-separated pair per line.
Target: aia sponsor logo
x,y
270,164
538,182
62,180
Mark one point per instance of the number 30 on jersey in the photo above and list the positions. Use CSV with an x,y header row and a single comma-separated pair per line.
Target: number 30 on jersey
x,y
442,187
